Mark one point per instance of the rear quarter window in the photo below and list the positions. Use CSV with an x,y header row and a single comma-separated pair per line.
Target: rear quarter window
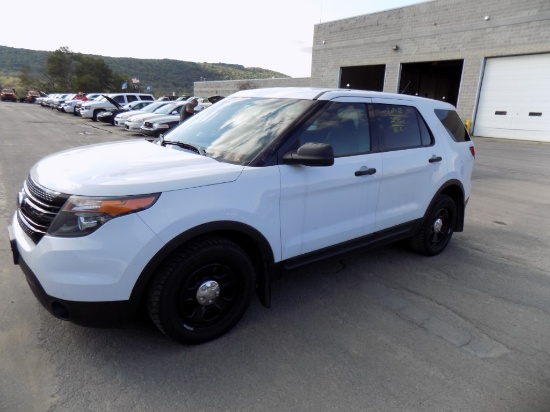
x,y
452,123
401,127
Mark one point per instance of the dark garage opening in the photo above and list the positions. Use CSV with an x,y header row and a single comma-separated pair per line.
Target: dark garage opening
x,y
439,80
363,77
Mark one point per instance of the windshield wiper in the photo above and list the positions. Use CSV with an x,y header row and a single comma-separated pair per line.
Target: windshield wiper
x,y
187,146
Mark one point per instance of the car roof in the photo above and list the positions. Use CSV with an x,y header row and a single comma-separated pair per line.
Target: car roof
x,y
317,93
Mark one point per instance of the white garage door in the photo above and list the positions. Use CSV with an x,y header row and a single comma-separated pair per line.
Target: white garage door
x,y
514,101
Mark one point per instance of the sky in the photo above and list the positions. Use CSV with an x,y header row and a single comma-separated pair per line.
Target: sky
x,y
275,35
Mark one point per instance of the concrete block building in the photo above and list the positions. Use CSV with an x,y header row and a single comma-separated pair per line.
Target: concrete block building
x,y
490,58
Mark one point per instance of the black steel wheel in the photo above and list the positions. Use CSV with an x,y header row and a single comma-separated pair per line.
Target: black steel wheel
x,y
201,291
437,228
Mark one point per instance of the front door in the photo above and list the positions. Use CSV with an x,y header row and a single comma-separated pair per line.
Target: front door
x,y
323,206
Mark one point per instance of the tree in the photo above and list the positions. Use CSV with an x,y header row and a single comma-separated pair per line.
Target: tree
x,y
86,84
26,77
92,74
60,68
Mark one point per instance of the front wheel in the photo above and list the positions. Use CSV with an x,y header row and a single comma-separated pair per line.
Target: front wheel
x,y
201,291
437,228
94,116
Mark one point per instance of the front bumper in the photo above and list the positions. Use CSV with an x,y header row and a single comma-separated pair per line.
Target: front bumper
x,y
152,132
86,113
94,314
133,126
93,290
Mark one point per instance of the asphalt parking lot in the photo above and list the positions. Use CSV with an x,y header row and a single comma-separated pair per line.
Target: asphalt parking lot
x,y
384,330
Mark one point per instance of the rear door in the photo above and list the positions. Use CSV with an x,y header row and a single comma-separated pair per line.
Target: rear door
x,y
413,163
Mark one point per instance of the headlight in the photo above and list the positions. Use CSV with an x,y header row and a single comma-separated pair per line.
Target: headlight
x,y
81,215
85,107
157,126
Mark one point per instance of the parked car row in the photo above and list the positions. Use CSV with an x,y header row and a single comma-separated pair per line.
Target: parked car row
x,y
9,94
55,100
135,112
162,119
108,116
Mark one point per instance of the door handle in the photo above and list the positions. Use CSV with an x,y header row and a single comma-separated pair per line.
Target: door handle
x,y
365,171
435,159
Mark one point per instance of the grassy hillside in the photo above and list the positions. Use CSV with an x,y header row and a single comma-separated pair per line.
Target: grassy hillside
x,y
165,75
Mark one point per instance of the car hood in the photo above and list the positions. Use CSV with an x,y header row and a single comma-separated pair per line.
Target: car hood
x,y
125,115
129,168
144,117
113,102
164,118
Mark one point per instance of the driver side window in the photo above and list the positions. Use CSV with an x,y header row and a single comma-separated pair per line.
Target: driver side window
x,y
344,126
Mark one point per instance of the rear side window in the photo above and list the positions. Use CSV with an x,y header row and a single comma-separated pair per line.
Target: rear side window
x,y
131,98
119,99
401,127
453,125
146,97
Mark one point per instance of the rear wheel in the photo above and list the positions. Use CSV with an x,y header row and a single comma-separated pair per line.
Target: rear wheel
x,y
437,229
200,292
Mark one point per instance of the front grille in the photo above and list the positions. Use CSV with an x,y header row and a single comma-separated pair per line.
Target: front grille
x,y
38,207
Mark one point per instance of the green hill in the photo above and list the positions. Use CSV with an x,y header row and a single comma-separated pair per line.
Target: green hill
x,y
164,75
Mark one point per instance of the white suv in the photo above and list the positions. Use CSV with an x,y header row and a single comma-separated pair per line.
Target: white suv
x,y
192,225
91,109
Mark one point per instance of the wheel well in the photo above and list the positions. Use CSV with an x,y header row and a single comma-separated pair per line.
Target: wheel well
x,y
251,241
455,192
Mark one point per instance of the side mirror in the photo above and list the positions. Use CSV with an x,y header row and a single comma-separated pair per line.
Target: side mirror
x,y
311,154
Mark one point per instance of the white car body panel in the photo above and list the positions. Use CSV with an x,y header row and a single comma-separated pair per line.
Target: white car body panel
x,y
134,123
302,209
89,279
120,119
129,168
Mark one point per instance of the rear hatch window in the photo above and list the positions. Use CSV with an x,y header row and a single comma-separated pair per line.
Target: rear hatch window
x,y
453,125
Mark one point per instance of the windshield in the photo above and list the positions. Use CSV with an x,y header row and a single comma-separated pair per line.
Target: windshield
x,y
235,130
152,107
166,108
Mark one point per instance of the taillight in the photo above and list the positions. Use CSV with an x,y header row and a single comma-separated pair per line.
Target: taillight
x,y
473,151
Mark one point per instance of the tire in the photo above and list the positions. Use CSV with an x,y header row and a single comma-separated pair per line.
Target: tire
x,y
437,228
201,291
94,116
